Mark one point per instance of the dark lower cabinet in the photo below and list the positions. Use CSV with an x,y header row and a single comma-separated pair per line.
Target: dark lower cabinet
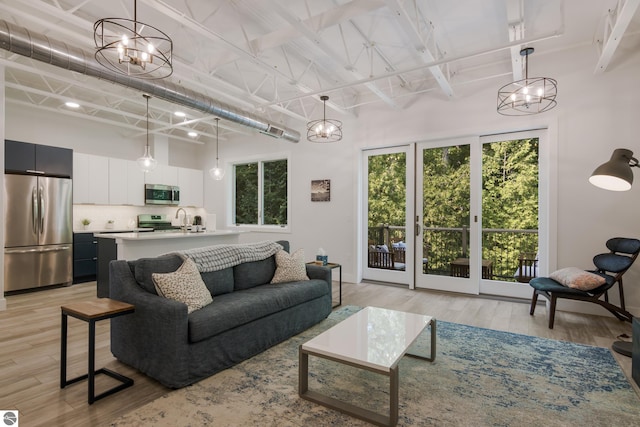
x,y
107,252
85,257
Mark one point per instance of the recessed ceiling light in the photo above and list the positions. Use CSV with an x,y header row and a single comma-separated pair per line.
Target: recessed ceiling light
x,y
193,134
71,104
179,114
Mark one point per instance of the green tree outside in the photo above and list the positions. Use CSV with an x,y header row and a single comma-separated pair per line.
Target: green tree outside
x,y
509,200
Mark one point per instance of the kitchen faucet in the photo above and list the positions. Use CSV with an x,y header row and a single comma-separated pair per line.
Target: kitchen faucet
x,y
183,225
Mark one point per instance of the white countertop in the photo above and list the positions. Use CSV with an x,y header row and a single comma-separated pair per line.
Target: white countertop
x,y
111,230
165,235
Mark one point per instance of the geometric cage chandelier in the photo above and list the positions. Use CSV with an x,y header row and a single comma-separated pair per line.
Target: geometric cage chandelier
x,y
531,95
133,48
324,130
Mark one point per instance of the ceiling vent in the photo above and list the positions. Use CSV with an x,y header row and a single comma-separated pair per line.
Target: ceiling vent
x,y
274,132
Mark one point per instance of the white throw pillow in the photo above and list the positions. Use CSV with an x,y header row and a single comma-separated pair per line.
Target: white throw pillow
x,y
576,278
184,285
290,268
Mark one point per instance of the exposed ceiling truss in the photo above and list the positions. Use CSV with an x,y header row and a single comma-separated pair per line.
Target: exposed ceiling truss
x,y
275,58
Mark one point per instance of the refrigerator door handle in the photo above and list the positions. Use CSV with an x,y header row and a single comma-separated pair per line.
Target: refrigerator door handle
x,y
34,209
29,251
42,211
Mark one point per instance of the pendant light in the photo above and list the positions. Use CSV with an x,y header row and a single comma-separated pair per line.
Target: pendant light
x,y
147,163
532,95
324,130
217,173
133,48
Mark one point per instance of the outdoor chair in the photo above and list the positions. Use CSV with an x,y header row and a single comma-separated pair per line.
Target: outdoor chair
x,y
379,258
527,267
399,254
611,266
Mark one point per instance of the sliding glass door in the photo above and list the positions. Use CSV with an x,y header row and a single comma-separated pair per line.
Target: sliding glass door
x,y
388,208
513,206
447,256
466,215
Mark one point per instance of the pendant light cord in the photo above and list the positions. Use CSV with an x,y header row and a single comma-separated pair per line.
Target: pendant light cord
x,y
147,98
217,132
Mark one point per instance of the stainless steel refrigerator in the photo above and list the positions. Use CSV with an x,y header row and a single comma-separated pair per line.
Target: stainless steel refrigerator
x,y
38,232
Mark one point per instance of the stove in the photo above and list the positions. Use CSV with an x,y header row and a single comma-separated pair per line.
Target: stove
x,y
157,222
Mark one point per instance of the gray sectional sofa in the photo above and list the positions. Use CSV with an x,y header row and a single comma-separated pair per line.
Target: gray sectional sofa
x,y
247,316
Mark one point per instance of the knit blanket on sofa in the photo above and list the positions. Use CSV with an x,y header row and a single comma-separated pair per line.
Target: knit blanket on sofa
x,y
219,257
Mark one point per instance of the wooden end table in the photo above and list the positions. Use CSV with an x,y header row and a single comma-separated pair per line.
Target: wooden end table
x,y
91,312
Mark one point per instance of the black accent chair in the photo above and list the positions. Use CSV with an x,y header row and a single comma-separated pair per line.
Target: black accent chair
x,y
610,265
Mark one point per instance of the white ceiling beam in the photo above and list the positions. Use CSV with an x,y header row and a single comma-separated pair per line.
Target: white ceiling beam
x,y
434,63
341,67
214,37
516,29
419,44
617,22
321,21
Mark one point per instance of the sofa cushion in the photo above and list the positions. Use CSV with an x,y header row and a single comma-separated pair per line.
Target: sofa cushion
x,y
219,282
250,274
184,285
238,308
290,268
145,267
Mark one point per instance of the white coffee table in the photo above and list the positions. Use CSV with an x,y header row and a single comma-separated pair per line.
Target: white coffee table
x,y
363,340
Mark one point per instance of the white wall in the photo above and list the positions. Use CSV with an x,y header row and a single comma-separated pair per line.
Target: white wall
x,y
84,136
595,115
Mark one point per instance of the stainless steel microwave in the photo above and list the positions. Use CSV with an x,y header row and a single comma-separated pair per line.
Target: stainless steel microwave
x,y
159,194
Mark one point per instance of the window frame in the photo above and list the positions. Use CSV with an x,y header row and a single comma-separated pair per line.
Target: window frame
x,y
260,160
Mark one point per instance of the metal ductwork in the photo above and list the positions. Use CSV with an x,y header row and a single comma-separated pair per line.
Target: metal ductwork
x,y
21,41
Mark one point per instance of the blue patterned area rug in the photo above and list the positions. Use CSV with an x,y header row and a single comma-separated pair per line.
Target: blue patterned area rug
x,y
481,377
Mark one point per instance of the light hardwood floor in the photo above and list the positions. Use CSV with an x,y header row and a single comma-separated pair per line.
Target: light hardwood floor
x,y
30,346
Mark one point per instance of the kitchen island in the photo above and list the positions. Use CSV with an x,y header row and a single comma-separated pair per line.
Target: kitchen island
x,y
130,246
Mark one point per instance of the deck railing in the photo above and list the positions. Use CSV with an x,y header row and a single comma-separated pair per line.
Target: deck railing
x,y
444,244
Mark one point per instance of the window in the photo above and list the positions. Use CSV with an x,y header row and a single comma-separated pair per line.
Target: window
x,y
260,193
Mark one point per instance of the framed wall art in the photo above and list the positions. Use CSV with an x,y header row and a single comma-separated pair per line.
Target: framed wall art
x,y
320,190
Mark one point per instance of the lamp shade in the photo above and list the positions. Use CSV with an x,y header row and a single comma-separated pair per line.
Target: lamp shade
x,y
616,174
147,163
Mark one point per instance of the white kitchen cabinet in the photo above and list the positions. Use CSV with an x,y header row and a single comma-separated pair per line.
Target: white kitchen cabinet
x,y
80,178
98,180
163,174
126,183
135,184
90,179
118,182
110,181
191,187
